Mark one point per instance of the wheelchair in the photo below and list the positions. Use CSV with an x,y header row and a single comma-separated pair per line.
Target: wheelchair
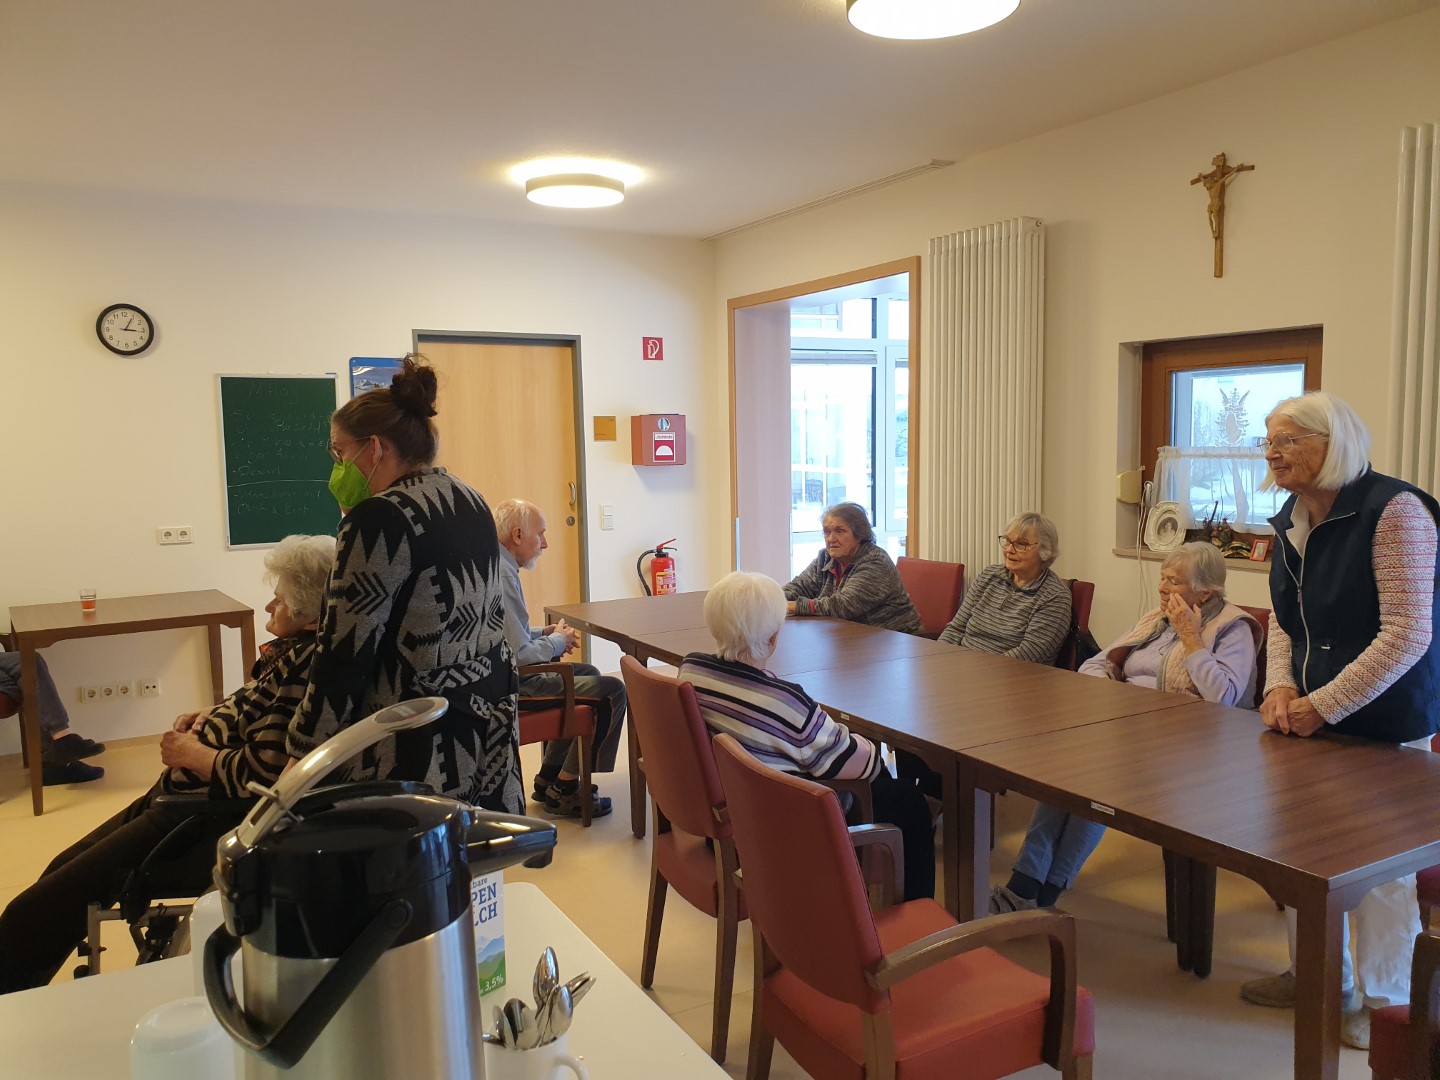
x,y
180,867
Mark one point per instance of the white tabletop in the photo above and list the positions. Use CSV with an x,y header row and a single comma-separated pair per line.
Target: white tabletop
x,y
82,1029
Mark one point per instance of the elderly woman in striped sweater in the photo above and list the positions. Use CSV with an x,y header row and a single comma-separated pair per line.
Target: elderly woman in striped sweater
x,y
782,725
853,578
1196,642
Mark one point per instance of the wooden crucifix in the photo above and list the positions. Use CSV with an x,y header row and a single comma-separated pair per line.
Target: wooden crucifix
x,y
1216,181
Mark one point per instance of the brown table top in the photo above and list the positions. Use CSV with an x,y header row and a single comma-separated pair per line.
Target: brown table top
x,y
960,698
1252,797
115,614
805,645
624,618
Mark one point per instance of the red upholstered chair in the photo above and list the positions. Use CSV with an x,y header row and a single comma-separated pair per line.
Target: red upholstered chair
x,y
564,721
935,588
903,991
689,808
1427,881
1403,1043
1262,616
1082,596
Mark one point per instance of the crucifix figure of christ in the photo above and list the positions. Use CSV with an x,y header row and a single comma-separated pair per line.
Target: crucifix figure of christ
x,y
1216,181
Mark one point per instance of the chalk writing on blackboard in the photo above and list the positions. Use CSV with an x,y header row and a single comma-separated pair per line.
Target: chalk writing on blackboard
x,y
274,434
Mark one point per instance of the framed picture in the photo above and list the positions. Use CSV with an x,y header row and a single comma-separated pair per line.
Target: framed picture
x,y
1260,551
1164,529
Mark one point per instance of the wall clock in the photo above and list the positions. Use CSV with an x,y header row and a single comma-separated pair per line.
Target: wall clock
x,y
125,329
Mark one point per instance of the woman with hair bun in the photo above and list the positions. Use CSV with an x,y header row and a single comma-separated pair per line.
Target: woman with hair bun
x,y
413,607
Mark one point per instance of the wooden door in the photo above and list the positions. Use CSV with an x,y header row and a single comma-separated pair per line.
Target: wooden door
x,y
506,415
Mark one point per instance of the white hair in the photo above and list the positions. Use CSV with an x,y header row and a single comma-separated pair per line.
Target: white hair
x,y
1047,537
298,568
515,514
1347,451
1203,566
743,612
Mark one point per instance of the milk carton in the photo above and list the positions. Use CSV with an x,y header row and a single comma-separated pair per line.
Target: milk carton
x,y
487,915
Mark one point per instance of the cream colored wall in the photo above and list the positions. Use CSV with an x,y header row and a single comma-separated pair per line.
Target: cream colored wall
x,y
99,450
1310,239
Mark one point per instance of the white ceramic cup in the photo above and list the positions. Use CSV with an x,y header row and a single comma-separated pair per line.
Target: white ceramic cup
x,y
181,1040
547,1062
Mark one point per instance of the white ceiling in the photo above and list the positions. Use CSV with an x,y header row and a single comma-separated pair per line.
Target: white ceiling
x,y
733,109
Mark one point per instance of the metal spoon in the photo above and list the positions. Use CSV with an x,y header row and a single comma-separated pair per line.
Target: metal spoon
x,y
547,978
579,986
528,1033
515,1023
500,1027
562,1012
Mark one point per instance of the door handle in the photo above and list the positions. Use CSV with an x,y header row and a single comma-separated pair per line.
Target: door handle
x,y
574,494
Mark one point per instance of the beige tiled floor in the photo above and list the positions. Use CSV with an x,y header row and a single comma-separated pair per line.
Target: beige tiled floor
x,y
1154,1021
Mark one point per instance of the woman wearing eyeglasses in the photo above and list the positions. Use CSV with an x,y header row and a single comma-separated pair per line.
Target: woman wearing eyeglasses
x,y
1352,648
1194,643
1018,607
414,607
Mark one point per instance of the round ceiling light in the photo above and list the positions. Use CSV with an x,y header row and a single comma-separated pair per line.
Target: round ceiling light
x,y
920,19
575,190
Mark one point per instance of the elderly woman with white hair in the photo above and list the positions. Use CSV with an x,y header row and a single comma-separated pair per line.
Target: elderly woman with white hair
x,y
1354,651
853,577
218,753
783,727
1195,643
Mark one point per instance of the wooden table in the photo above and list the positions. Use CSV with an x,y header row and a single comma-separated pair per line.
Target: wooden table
x,y
920,695
34,626
81,1030
1318,822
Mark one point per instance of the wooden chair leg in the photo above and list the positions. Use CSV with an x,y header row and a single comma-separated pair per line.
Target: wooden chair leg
x,y
1424,916
762,1043
726,927
654,914
587,797
1079,1069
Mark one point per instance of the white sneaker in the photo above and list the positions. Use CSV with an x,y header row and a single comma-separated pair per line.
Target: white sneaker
x,y
1273,991
1355,1027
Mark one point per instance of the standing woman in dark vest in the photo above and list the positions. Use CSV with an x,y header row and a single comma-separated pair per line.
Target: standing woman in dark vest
x,y
1353,648
414,607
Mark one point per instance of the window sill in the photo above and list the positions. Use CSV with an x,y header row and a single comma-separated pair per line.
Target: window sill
x,y
1248,565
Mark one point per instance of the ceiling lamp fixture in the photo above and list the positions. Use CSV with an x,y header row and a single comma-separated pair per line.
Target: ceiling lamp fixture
x,y
913,20
575,190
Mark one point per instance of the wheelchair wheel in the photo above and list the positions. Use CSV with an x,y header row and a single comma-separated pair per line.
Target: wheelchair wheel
x,y
82,971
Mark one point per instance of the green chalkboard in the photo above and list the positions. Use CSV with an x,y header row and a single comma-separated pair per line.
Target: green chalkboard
x,y
274,430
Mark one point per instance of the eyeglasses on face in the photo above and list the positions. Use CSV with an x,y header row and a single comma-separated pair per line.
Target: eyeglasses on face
x,y
1018,546
1285,443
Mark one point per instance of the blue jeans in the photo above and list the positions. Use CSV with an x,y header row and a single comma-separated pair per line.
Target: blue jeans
x,y
1056,846
53,716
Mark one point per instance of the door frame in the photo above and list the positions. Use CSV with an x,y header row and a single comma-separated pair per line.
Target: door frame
x,y
572,342
909,265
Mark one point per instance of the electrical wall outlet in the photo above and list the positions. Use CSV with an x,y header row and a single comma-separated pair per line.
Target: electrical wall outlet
x,y
89,694
174,534
108,692
125,690
149,687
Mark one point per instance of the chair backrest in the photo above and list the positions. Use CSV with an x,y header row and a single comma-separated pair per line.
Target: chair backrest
x,y
675,745
935,588
1082,595
802,884
1262,616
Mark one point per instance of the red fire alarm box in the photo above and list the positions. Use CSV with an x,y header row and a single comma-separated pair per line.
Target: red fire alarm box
x,y
657,439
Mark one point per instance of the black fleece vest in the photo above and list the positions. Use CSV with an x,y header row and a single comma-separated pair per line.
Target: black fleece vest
x,y
1328,605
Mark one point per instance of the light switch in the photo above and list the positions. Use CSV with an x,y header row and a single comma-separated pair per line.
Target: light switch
x,y
607,516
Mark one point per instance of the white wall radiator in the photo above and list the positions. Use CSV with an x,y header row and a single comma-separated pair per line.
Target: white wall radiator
x,y
1415,336
982,392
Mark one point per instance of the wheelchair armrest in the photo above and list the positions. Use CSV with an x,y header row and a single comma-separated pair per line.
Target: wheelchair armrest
x,y
197,802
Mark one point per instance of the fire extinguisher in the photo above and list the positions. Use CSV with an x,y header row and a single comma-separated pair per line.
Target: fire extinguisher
x,y
662,570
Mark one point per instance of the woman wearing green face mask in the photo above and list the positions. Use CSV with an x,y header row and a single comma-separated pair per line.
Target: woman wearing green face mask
x,y
413,605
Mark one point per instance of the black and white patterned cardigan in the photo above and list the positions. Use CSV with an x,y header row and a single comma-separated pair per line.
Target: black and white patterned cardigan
x,y
414,608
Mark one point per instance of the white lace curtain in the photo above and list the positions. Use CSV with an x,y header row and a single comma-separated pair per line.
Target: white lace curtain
x,y
1223,480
